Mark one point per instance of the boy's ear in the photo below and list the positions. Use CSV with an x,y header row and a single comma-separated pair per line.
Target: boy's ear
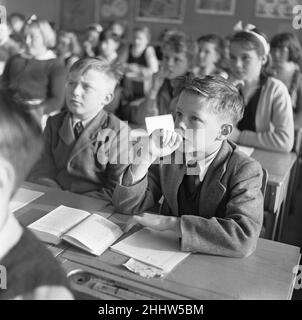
x,y
225,131
264,59
108,98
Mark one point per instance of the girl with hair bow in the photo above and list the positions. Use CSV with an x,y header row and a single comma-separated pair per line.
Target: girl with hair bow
x,y
267,122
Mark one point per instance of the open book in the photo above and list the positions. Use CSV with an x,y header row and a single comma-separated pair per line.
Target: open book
x,y
159,249
89,232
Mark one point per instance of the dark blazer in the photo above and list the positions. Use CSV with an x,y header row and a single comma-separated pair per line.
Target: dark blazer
x,y
90,165
231,203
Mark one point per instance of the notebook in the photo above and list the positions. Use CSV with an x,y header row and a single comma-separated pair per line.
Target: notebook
x,y
159,249
90,232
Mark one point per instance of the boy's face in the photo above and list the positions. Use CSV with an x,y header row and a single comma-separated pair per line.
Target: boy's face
x,y
175,64
201,129
88,93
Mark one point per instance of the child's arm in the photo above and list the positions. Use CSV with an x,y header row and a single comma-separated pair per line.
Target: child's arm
x,y
281,137
139,188
112,157
45,170
236,234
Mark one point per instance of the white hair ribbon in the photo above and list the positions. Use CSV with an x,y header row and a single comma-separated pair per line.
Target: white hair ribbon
x,y
31,19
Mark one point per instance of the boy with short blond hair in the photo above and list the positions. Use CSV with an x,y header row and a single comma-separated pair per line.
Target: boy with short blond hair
x,y
85,147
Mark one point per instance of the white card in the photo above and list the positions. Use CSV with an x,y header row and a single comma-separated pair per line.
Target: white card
x,y
159,122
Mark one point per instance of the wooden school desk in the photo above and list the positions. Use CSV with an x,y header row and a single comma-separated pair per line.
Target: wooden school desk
x,y
279,167
266,274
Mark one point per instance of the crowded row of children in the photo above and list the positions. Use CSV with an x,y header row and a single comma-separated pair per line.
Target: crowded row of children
x,y
87,150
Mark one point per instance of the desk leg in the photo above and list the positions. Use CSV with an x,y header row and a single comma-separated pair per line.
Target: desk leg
x,y
272,207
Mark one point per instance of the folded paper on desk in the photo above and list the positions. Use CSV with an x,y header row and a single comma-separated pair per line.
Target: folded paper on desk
x,y
89,232
156,248
22,198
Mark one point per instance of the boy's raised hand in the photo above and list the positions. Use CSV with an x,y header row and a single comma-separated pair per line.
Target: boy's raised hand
x,y
160,143
163,142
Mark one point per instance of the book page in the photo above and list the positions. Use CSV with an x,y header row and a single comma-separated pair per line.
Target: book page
x,y
156,248
22,198
95,234
57,222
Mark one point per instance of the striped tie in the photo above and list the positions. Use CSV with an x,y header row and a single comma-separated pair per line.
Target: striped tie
x,y
78,129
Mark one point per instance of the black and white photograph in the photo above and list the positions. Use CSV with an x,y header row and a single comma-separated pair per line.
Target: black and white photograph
x,y
150,150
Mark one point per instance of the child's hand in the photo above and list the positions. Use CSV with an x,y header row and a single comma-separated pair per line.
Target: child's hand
x,y
163,142
159,144
155,222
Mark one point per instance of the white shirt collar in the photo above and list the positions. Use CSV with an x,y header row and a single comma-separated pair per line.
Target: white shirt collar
x,y
84,122
10,234
203,165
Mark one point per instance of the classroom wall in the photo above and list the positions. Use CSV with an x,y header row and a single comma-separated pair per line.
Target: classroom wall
x,y
197,24
44,9
194,23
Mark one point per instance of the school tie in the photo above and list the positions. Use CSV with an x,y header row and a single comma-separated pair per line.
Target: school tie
x,y
78,129
191,178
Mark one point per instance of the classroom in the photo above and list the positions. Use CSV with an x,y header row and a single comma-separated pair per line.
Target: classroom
x,y
150,150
